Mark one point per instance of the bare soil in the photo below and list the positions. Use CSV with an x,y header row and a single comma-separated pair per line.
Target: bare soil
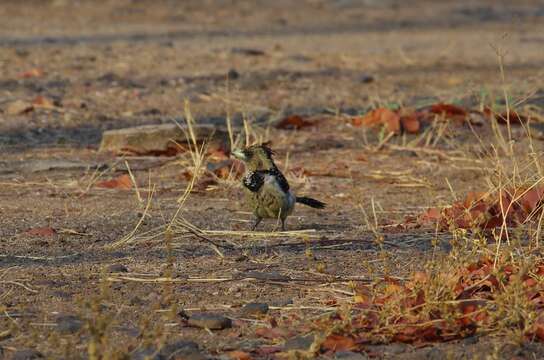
x,y
113,64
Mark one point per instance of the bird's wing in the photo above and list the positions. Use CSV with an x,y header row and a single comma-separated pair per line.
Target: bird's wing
x,y
282,181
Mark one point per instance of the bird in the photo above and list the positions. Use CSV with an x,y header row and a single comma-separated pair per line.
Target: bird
x,y
267,190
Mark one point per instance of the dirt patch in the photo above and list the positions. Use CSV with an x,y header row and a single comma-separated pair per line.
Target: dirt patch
x,y
75,286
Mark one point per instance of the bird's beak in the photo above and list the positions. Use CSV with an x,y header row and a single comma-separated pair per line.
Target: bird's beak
x,y
239,154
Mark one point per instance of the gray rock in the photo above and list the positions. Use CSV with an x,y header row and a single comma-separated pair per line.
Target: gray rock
x,y
182,350
179,350
117,268
145,354
69,324
27,354
252,309
209,321
436,354
157,139
31,166
299,343
350,355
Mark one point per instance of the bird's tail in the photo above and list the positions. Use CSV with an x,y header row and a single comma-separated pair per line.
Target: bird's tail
x,y
310,202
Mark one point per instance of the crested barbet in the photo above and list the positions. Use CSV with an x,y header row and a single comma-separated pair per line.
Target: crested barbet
x,y
267,190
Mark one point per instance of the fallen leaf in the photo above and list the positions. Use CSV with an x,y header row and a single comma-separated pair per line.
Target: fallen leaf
x,y
122,182
380,117
41,231
32,73
410,124
272,333
338,343
19,107
239,355
43,103
448,110
294,122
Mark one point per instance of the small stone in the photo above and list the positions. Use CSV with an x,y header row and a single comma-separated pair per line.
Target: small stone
x,y
299,343
117,268
182,350
209,321
255,309
247,51
19,107
233,74
69,324
366,78
350,355
145,354
27,354
436,354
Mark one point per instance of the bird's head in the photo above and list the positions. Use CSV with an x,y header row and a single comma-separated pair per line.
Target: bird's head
x,y
256,157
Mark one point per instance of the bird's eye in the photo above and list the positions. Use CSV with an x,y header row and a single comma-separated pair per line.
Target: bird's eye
x,y
247,153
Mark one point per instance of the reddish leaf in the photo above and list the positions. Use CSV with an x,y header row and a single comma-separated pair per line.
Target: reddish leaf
x,y
32,73
271,333
380,117
410,124
294,122
239,355
41,231
43,103
122,182
448,110
338,343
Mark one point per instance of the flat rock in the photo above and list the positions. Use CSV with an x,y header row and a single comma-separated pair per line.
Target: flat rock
x,y
209,321
157,139
117,268
302,343
182,350
350,355
179,350
31,166
68,324
253,309
27,354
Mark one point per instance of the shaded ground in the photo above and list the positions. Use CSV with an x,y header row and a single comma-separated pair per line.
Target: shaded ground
x,y
135,62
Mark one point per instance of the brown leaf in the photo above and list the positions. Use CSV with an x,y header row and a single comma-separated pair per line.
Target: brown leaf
x,y
43,103
19,107
410,124
122,182
380,117
41,231
448,110
272,333
32,73
338,343
239,355
294,122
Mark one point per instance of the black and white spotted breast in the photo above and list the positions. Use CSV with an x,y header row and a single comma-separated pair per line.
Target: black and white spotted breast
x,y
253,180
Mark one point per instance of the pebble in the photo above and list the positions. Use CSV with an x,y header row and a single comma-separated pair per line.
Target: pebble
x,y
255,309
27,354
68,324
117,268
299,343
209,321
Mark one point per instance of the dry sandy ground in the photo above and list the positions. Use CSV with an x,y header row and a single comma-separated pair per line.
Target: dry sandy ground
x,y
112,64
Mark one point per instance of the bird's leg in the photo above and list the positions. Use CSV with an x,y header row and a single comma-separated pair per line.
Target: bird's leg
x,y
282,224
256,223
